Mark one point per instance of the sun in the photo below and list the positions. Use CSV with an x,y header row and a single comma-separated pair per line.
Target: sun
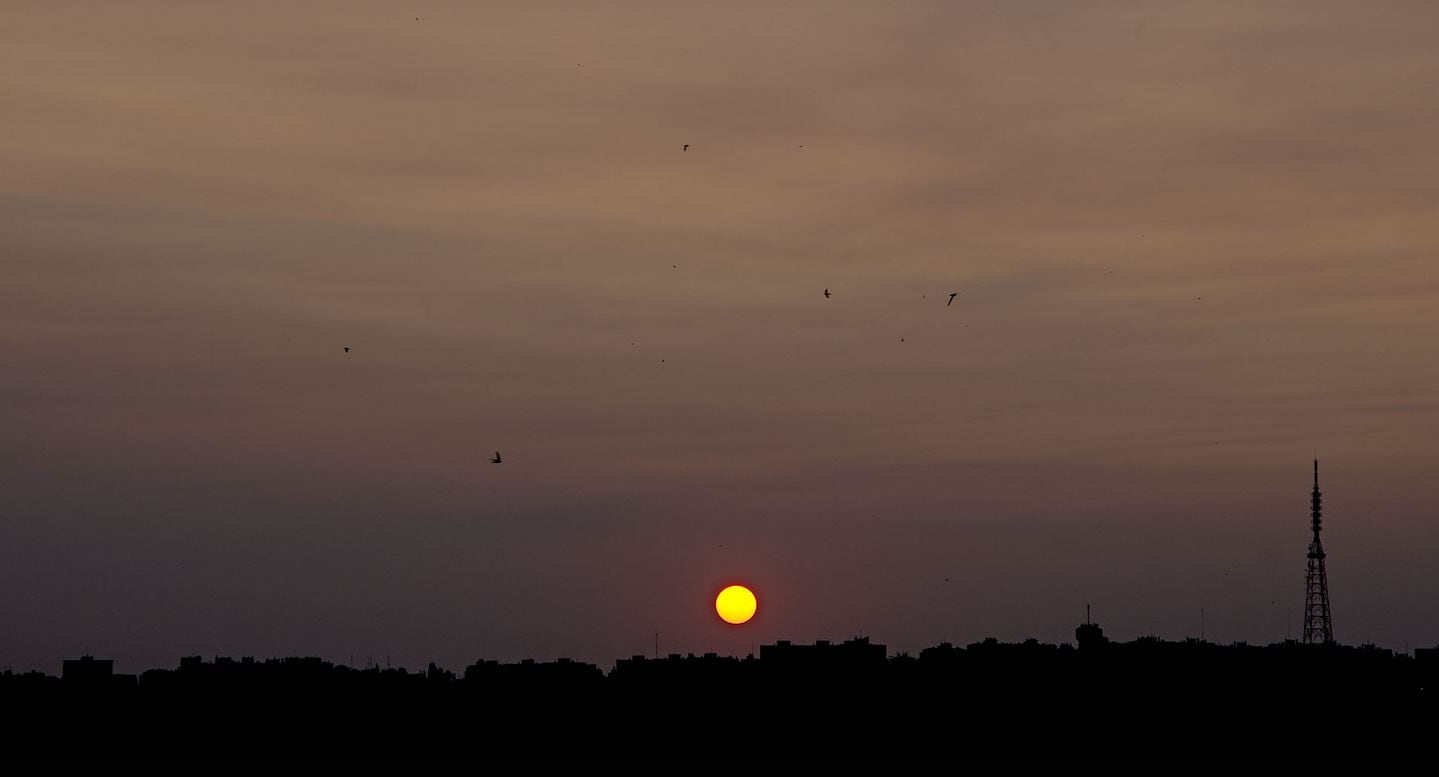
x,y
736,604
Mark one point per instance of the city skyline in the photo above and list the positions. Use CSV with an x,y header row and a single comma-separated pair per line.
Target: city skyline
x,y
929,321
1307,633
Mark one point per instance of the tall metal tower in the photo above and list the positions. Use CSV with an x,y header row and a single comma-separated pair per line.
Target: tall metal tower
x,y
1317,629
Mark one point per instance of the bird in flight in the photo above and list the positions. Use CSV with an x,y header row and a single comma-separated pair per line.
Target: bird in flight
x,y
687,147
347,349
826,293
497,459
951,299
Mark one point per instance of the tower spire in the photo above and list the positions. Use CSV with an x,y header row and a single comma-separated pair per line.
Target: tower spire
x,y
1317,628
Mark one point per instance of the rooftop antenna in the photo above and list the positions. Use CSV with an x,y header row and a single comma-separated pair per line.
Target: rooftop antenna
x,y
1087,621
657,644
1201,624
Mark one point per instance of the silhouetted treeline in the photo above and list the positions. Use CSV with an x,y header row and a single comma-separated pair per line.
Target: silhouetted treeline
x,y
855,683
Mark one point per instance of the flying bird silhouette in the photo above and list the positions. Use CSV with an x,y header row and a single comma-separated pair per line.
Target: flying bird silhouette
x,y
826,293
497,459
687,147
347,349
951,299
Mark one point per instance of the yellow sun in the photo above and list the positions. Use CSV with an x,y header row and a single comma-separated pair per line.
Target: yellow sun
x,y
736,604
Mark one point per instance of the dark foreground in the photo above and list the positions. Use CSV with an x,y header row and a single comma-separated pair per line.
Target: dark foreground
x,y
847,700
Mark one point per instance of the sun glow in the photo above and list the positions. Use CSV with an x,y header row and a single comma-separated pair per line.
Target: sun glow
x,y
736,604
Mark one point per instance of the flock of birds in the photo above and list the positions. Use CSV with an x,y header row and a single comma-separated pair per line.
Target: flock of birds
x,y
497,459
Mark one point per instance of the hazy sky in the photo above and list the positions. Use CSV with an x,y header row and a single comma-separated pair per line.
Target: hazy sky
x,y
1194,244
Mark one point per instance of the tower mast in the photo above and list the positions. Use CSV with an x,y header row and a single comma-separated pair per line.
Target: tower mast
x,y
1317,628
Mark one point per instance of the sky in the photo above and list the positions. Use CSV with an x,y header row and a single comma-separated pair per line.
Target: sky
x,y
1194,245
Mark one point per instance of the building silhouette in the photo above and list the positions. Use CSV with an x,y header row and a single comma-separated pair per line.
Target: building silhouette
x,y
852,654
88,670
1088,635
857,684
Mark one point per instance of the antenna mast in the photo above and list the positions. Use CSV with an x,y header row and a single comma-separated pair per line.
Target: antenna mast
x,y
1317,627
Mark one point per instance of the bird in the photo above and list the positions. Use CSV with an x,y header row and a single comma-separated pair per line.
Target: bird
x,y
347,349
951,298
497,459
826,293
901,339
687,147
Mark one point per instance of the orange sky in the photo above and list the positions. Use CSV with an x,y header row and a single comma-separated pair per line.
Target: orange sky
x,y
1194,244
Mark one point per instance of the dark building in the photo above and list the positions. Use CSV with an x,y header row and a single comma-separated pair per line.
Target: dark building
x,y
854,653
92,674
1089,636
88,670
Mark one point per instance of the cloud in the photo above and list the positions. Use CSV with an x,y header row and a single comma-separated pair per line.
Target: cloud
x,y
202,205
